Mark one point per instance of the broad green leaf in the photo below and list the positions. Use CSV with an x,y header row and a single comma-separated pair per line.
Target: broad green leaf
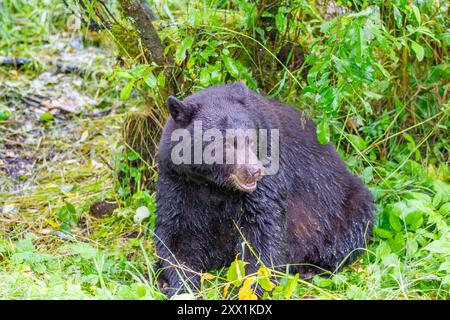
x,y
123,74
140,290
70,207
441,246
373,95
418,49
161,79
4,114
323,131
150,80
389,260
444,210
367,174
125,93
180,53
280,22
236,272
416,12
290,285
445,266
395,222
383,233
357,141
47,116
322,282
398,242
231,66
437,199
397,17
264,279
442,188
86,251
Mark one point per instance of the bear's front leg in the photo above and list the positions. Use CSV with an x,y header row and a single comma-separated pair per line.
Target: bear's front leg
x,y
263,243
180,275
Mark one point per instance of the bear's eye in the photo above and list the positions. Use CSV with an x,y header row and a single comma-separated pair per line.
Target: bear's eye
x,y
247,142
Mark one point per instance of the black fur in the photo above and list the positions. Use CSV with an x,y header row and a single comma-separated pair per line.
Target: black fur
x,y
314,211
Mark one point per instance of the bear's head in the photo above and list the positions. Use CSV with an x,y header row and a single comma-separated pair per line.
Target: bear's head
x,y
212,136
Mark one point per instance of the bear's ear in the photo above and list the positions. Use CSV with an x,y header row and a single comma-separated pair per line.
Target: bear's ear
x,y
241,91
178,110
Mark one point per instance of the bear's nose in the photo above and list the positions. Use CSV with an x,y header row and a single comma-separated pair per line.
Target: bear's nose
x,y
255,171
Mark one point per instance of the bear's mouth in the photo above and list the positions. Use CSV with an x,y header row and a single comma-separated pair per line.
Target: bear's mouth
x,y
246,186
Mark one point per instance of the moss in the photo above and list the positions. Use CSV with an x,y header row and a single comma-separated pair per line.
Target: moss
x,y
127,39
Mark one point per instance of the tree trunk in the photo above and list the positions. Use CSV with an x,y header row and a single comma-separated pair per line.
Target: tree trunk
x,y
141,16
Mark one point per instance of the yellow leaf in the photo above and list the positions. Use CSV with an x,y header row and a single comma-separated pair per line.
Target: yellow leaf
x,y
225,290
207,276
247,294
263,272
246,291
264,278
52,223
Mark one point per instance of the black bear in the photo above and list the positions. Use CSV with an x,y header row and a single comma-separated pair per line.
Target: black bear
x,y
295,204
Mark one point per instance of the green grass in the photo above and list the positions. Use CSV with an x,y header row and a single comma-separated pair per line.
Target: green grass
x,y
387,113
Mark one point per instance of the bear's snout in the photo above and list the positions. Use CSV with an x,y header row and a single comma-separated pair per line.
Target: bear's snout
x,y
246,176
254,171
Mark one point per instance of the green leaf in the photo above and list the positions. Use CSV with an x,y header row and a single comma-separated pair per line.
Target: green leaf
x,y
123,74
150,80
357,141
437,199
445,266
397,17
4,114
140,290
180,53
322,282
367,174
280,22
204,77
289,287
323,131
47,116
416,12
132,155
418,49
445,209
383,233
441,246
236,272
231,66
86,251
70,207
446,280
398,242
442,188
395,222
373,95
389,260
125,93
264,279
161,79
